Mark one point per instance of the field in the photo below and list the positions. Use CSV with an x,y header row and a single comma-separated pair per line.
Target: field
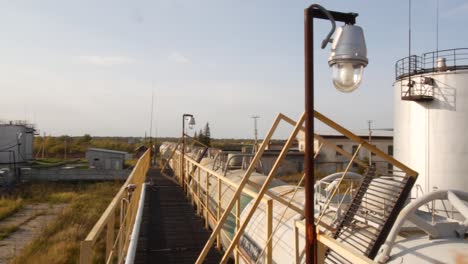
x,y
80,205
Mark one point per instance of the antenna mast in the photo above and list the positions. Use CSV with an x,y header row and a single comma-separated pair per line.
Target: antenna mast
x,y
255,117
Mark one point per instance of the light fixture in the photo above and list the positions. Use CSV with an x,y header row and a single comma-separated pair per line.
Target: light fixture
x,y
348,58
191,122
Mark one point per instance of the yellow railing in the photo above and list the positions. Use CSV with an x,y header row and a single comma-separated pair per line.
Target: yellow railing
x,y
199,193
126,203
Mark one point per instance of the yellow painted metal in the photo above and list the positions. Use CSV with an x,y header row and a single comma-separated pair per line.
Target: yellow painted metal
x,y
137,177
269,225
262,191
238,192
220,217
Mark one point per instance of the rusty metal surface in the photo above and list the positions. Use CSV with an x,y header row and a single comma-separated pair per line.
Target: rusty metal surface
x,y
171,232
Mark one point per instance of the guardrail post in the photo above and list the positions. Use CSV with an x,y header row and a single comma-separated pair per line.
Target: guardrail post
x,y
86,252
296,243
238,208
207,199
218,215
110,235
269,228
198,194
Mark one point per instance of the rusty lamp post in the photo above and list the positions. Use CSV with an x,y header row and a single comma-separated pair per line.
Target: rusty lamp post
x,y
347,59
191,124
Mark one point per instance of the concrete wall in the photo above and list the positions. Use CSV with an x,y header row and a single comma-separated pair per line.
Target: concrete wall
x,y
55,174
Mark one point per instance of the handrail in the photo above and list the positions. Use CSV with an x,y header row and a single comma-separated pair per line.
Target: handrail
x,y
129,192
207,201
427,63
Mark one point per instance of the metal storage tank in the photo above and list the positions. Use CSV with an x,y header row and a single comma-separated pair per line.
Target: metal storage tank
x,y
431,118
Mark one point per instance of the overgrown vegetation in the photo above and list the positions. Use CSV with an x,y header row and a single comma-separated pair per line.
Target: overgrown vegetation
x,y
59,242
8,230
9,207
75,147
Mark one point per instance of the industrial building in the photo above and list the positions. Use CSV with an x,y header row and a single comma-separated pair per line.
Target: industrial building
x,y
329,160
106,159
16,142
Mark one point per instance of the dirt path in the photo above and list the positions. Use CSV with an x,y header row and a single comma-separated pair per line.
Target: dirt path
x,y
32,220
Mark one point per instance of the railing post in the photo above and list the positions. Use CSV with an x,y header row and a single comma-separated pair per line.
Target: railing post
x,y
198,195
238,207
218,214
86,252
296,243
269,228
207,185
110,235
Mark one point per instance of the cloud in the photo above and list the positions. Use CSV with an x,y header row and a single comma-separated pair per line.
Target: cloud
x,y
105,60
178,57
460,10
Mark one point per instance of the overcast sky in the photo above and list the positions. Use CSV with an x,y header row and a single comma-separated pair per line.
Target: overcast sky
x,y
76,67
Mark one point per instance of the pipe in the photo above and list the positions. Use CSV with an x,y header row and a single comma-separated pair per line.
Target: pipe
x,y
408,214
132,247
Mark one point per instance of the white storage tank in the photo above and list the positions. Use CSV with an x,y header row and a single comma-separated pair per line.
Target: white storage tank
x,y
431,118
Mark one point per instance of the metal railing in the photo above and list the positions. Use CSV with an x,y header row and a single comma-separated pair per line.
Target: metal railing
x,y
199,178
454,59
126,203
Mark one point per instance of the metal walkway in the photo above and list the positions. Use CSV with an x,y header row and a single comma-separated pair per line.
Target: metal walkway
x,y
171,232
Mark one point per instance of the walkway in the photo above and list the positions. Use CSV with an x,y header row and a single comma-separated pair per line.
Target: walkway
x,y
171,232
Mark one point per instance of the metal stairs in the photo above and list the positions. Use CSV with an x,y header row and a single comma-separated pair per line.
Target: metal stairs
x,y
371,215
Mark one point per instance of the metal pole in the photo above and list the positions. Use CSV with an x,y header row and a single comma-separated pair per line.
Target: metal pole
x,y
311,239
313,11
183,154
255,117
369,122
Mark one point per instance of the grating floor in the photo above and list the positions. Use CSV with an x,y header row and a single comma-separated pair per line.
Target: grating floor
x,y
171,232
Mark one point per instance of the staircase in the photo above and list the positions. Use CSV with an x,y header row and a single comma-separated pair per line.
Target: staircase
x,y
371,214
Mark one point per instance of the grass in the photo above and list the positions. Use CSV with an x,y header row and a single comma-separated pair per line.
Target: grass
x,y
7,231
60,241
9,206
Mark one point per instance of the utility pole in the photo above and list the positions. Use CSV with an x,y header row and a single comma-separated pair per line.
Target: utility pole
x,y
255,117
369,123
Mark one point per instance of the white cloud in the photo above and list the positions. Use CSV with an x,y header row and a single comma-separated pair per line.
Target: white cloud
x,y
105,60
460,10
178,57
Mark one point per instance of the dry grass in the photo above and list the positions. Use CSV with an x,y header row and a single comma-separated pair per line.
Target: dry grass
x,y
9,206
59,242
7,231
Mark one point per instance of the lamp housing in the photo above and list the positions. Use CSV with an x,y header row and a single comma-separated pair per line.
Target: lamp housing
x,y
191,122
348,57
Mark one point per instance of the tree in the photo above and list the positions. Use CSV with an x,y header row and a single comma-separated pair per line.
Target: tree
x,y
205,137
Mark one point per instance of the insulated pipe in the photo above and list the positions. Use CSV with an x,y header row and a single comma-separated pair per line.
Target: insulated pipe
x,y
408,214
458,204
132,247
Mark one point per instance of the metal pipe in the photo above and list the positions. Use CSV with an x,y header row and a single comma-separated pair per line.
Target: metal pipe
x,y
132,247
183,151
314,11
311,239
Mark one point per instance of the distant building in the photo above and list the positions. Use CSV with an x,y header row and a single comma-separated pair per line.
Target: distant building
x,y
106,159
16,142
329,160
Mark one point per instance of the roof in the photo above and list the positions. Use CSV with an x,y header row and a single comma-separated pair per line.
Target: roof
x,y
108,151
333,134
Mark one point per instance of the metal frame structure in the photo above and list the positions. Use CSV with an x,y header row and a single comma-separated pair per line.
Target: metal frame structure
x,y
194,169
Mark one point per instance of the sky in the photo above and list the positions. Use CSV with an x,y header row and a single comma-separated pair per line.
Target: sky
x,y
77,67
